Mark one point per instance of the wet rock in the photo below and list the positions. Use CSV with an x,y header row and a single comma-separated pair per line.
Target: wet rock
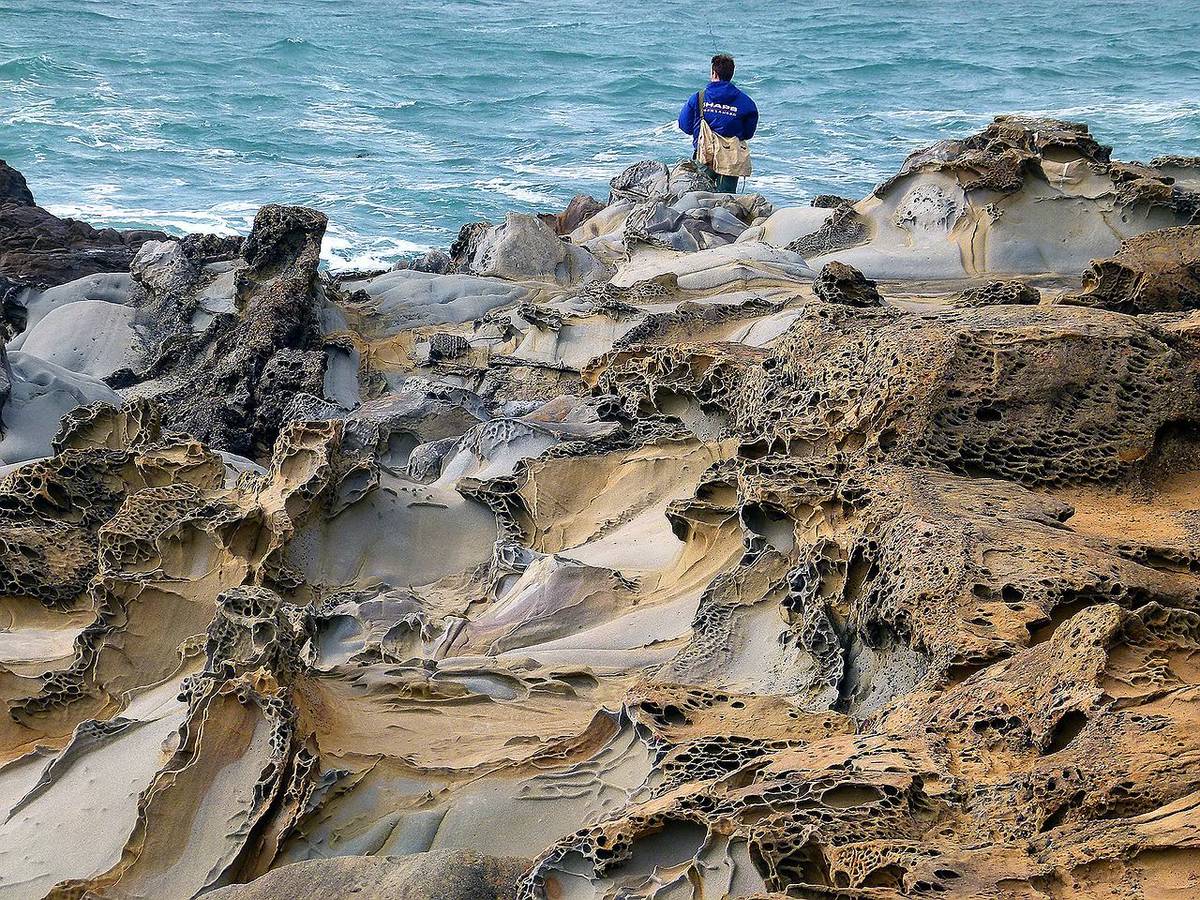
x,y
1154,272
840,283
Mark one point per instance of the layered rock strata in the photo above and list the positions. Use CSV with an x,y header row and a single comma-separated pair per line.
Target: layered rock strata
x,y
707,550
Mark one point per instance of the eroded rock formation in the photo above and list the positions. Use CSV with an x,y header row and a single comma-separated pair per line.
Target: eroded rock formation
x,y
712,551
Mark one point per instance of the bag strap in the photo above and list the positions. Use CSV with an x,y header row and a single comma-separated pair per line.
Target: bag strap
x,y
700,103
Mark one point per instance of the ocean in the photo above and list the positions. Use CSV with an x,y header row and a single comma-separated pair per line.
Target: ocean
x,y
402,120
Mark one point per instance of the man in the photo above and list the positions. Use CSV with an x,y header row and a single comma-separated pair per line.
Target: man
x,y
728,112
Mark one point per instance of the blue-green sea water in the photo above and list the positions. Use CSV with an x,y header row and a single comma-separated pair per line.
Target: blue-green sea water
x,y
402,119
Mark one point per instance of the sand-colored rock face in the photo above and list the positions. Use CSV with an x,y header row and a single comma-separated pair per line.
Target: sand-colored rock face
x,y
714,560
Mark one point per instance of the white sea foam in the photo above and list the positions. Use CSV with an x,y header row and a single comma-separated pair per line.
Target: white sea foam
x,y
515,191
224,218
342,250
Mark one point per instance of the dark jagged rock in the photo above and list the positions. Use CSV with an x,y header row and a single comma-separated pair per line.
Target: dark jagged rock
x,y
203,249
44,250
462,251
999,293
1154,272
230,385
12,312
283,238
840,283
830,201
13,187
581,208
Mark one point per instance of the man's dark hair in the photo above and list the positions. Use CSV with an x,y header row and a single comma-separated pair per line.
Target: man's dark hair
x,y
722,66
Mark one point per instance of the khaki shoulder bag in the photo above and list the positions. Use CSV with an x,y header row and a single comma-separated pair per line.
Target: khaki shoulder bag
x,y
724,155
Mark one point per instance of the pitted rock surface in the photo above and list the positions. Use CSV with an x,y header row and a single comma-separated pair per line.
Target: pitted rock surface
x,y
1154,272
659,561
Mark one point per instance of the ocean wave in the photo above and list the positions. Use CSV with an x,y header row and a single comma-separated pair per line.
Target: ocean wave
x,y
516,190
347,251
227,218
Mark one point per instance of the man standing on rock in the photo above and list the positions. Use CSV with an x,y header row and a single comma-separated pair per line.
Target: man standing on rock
x,y
720,118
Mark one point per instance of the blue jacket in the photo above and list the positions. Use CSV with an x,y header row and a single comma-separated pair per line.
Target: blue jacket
x,y
728,111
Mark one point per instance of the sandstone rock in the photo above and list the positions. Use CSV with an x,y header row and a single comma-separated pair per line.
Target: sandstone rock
x,y
1154,272
786,226
997,203
581,208
839,283
688,583
436,875
1000,292
38,395
524,248
407,299
162,267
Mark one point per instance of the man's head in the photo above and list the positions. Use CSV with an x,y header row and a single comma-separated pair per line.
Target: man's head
x,y
722,67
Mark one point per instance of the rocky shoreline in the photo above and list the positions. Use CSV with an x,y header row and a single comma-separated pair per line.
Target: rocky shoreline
x,y
671,545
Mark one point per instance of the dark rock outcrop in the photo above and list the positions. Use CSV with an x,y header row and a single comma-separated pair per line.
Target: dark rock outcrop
x,y
840,283
44,250
12,311
830,201
230,384
13,187
462,251
202,248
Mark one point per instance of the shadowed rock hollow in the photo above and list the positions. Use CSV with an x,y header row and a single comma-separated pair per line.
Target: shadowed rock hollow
x,y
705,550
